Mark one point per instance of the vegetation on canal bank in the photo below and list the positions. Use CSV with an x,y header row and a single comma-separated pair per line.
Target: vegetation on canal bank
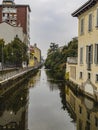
x,y
57,57
14,53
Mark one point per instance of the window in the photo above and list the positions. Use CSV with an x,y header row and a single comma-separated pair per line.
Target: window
x,y
81,55
96,77
82,26
80,109
96,121
96,54
89,76
87,125
89,54
97,18
90,22
81,75
80,124
88,115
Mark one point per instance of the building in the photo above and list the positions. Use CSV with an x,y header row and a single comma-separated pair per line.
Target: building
x,y
35,55
16,15
84,72
13,31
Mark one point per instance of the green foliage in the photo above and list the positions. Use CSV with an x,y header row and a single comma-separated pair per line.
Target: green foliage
x,y
56,61
14,53
1,48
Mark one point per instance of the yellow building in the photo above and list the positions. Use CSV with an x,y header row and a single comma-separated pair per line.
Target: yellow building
x,y
85,72
35,56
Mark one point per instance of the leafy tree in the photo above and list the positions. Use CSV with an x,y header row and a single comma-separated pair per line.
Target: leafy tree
x,y
15,52
56,59
1,49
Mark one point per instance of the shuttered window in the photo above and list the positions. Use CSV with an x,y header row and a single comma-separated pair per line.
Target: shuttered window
x,y
90,22
96,54
97,18
82,26
81,55
89,54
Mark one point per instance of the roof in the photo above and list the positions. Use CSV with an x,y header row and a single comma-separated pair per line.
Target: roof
x,y
84,8
16,5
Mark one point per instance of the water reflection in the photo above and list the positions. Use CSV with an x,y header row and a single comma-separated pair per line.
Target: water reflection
x,y
42,103
13,110
85,110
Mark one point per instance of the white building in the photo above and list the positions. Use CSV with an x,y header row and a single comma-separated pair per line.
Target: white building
x,y
9,32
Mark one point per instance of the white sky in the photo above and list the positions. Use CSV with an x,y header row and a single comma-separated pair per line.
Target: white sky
x,y
51,21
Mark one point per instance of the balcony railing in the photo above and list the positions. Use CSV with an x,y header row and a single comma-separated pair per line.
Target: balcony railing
x,y
72,60
89,66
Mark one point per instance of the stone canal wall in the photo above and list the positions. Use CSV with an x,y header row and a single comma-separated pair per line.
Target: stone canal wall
x,y
19,77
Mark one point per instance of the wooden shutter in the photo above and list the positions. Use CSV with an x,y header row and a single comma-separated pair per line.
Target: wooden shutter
x,y
90,22
97,18
91,54
95,56
87,54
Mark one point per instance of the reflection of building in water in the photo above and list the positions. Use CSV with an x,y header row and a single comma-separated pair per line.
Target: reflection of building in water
x,y
14,110
85,109
34,79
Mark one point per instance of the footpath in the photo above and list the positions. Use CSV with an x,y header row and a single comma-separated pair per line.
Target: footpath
x,y
4,77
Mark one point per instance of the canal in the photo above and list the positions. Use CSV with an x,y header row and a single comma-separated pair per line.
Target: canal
x,y
41,103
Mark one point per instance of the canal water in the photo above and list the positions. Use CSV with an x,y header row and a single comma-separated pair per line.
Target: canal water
x,y
41,103
46,108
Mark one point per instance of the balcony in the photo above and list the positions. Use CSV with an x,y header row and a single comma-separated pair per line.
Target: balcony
x,y
9,10
72,60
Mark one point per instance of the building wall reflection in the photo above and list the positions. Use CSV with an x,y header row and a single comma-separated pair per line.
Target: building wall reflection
x,y
85,110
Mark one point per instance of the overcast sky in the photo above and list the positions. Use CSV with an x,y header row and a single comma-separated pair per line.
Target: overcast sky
x,y
51,21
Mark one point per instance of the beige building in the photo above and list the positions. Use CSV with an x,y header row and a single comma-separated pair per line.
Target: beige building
x,y
9,32
85,72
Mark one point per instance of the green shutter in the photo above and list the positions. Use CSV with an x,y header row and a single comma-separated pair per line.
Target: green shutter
x,y
91,55
87,54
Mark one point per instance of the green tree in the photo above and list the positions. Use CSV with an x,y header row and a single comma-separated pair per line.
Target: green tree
x,y
1,49
56,59
16,52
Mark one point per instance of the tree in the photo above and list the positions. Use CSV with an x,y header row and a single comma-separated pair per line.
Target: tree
x,y
56,60
1,50
53,48
16,52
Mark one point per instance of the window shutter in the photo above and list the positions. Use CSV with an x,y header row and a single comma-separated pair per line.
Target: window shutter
x,y
91,55
95,56
81,55
82,26
87,54
90,22
97,19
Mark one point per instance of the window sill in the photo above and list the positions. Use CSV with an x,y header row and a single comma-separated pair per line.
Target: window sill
x,y
89,31
81,64
81,34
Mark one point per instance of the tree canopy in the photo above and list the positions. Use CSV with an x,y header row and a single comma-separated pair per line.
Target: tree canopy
x,y
56,61
14,53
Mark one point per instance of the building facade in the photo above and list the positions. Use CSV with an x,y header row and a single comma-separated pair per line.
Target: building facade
x,y
16,15
9,32
87,65
35,55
